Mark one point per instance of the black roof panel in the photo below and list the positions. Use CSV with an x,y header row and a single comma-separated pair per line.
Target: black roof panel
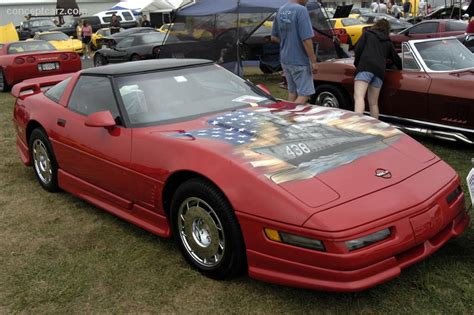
x,y
145,66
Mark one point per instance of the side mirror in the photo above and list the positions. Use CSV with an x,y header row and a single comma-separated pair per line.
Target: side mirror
x,y
262,87
407,33
101,119
71,37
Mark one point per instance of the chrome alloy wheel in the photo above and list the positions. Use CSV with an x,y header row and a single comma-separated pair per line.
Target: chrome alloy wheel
x,y
201,232
42,162
327,99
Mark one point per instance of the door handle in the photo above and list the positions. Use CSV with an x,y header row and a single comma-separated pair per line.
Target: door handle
x,y
61,122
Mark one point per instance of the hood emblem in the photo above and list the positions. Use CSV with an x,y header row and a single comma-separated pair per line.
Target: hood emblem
x,y
382,173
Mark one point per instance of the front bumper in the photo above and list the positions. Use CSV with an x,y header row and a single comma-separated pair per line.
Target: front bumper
x,y
414,237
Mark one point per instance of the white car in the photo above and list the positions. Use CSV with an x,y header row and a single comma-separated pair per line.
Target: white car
x,y
126,18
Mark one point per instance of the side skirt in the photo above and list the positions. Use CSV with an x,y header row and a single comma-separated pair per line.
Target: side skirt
x,y
122,208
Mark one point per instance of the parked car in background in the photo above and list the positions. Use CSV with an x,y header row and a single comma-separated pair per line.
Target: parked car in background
x,y
126,18
297,195
31,59
354,27
134,47
432,95
396,25
103,32
429,29
70,28
29,28
115,39
60,41
442,12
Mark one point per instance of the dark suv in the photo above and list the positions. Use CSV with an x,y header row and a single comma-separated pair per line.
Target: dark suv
x,y
29,28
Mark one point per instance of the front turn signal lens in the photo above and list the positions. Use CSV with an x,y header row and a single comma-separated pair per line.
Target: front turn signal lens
x,y
295,240
368,240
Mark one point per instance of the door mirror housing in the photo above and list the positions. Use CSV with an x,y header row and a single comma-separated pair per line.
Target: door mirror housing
x,y
407,33
263,87
101,120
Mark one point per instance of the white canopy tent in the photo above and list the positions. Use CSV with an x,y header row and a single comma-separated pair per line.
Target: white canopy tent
x,y
149,6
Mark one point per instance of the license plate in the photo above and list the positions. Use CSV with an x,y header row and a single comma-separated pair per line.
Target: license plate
x,y
48,66
470,184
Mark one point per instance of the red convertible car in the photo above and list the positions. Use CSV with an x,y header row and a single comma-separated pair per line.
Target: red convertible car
x,y
429,29
30,59
299,195
432,95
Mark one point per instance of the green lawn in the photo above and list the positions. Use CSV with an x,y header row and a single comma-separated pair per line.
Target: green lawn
x,y
58,254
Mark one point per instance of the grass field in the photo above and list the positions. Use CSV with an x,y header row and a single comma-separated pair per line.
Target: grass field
x,y
59,254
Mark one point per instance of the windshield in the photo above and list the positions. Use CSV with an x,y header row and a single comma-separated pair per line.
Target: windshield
x,y
54,37
41,23
445,55
167,96
29,46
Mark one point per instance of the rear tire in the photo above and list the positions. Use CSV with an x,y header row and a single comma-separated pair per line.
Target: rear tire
x,y
331,96
44,161
4,87
206,229
100,60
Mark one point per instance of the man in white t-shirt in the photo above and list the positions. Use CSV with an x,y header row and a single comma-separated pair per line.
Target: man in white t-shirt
x,y
422,7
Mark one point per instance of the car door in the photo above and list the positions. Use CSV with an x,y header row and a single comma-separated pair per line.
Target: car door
x,y
120,53
98,156
405,93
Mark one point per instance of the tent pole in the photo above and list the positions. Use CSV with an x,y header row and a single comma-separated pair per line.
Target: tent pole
x,y
238,68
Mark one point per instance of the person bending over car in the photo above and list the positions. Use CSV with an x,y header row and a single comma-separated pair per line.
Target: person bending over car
x,y
372,51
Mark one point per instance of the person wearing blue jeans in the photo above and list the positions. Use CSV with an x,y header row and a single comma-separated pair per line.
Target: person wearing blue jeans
x,y
293,30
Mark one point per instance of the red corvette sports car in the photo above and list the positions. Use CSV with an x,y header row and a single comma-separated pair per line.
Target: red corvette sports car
x,y
31,59
299,195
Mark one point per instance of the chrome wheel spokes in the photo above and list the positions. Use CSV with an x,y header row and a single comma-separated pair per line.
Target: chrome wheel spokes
x,y
327,99
201,232
42,162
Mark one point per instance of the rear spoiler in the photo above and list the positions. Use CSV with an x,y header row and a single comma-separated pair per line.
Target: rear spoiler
x,y
36,86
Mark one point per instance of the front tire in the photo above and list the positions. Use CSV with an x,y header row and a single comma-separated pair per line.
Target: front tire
x,y
207,231
100,60
4,87
331,96
44,162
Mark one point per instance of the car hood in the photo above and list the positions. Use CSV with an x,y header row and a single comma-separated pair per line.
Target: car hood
x,y
316,154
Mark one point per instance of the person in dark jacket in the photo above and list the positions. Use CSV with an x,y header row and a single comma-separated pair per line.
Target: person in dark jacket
x,y
114,24
145,22
372,51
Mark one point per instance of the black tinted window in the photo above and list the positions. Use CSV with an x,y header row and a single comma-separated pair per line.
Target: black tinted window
x,y
153,38
127,16
424,28
92,95
456,26
56,92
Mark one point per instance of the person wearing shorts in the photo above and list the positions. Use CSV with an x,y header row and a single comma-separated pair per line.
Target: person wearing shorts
x,y
372,51
86,39
293,30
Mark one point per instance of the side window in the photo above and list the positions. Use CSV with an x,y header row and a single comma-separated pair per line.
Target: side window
x,y
424,28
408,59
56,92
126,43
93,94
455,26
127,16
